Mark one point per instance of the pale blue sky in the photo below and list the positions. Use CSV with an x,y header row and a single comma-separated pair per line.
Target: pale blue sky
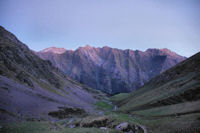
x,y
124,24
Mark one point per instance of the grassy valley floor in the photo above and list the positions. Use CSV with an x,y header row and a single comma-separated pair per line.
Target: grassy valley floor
x,y
104,122
167,119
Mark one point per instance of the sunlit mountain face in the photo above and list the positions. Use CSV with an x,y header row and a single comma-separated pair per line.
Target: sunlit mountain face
x,y
111,70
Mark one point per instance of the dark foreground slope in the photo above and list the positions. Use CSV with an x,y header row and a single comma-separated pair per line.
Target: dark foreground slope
x,y
168,103
111,70
30,87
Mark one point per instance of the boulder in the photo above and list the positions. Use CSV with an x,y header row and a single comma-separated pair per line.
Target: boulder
x,y
122,126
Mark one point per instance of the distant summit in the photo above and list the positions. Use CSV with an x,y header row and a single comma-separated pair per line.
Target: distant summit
x,y
54,50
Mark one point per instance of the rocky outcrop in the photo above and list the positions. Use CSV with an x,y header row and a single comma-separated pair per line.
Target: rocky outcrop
x,y
112,70
105,123
64,112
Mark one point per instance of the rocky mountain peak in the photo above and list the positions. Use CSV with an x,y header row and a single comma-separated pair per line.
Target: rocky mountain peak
x,y
86,48
163,50
54,50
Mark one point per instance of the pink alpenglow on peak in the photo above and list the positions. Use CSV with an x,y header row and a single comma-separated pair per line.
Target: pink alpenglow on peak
x,y
54,50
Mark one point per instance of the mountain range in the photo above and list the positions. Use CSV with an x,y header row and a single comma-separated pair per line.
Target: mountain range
x,y
111,70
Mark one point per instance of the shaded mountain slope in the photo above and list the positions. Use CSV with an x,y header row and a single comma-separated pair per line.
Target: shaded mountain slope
x,y
112,70
31,87
169,102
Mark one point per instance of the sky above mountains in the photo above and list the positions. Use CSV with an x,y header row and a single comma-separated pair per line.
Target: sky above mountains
x,y
124,24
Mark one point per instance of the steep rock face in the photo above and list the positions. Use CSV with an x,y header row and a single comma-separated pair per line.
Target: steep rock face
x,y
113,70
31,87
178,84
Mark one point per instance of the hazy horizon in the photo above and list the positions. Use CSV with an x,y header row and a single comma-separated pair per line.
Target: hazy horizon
x,y
131,24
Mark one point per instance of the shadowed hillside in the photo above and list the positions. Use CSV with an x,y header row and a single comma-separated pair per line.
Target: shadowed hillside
x,y
168,103
30,87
